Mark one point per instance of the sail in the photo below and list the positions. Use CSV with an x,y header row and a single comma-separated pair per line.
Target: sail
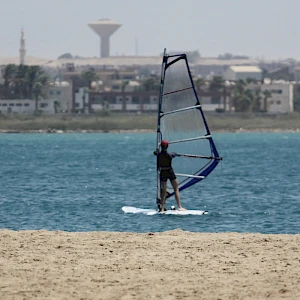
x,y
181,121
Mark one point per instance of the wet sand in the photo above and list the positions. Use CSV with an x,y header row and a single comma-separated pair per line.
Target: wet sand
x,y
169,265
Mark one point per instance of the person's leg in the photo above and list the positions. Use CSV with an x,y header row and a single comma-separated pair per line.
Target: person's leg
x,y
163,195
177,194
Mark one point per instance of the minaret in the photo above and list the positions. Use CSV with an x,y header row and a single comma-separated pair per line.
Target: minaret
x,y
22,48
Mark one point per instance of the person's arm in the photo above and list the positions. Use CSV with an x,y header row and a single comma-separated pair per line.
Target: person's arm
x,y
173,154
155,152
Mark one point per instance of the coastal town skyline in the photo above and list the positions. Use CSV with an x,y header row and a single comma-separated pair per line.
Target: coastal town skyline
x,y
259,30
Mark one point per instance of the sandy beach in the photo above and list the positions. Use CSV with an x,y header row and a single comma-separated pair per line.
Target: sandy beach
x,y
169,265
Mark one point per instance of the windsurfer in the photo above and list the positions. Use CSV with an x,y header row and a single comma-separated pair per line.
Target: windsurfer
x,y
164,165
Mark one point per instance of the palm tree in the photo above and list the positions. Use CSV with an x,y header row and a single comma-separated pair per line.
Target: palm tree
x,y
105,106
241,85
238,95
266,94
256,103
24,82
39,84
31,75
248,100
37,81
56,106
217,84
8,76
89,77
21,82
151,83
84,104
124,84
199,83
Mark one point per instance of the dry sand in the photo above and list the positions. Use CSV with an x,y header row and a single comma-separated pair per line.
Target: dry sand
x,y
170,265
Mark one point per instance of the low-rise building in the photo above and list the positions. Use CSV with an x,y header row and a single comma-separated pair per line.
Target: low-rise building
x,y
61,93
26,106
133,101
282,97
82,102
147,101
235,73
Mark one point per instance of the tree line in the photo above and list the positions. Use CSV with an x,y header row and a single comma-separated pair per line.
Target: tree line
x,y
24,82
243,96
29,82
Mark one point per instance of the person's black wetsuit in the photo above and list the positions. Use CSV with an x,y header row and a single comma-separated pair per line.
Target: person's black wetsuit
x,y
164,164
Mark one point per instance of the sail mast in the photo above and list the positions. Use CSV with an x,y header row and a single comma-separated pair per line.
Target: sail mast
x,y
158,137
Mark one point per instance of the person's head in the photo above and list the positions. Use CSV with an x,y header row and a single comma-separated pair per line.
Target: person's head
x,y
164,144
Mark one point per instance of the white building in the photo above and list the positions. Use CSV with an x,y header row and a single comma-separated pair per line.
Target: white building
x,y
82,100
61,92
142,102
26,106
235,73
133,103
58,98
281,100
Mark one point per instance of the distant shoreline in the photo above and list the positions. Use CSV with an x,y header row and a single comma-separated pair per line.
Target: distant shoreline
x,y
55,131
123,123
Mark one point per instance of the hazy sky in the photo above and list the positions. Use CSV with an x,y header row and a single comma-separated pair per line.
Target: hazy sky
x,y
258,28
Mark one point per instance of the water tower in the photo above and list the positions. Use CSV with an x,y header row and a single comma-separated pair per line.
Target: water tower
x,y
104,28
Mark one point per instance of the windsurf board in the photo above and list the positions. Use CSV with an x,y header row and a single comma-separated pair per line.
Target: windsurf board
x,y
150,212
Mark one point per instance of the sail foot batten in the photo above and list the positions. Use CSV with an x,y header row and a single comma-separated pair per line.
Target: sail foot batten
x,y
199,156
190,176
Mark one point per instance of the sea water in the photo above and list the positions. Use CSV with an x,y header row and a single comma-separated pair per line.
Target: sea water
x,y
79,182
